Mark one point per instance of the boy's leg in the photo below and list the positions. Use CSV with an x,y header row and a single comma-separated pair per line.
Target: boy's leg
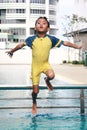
x,y
34,97
50,75
49,85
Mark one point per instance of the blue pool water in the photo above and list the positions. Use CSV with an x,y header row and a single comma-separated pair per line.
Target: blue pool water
x,y
60,120
46,118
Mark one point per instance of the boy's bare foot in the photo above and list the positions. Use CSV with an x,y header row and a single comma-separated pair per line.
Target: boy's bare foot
x,y
49,85
34,109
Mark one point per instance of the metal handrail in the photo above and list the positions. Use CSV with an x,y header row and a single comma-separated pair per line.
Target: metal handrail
x,y
26,87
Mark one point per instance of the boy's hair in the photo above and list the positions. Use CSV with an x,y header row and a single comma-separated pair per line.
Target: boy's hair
x,y
43,18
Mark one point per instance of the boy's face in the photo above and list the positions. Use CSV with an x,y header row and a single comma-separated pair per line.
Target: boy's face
x,y
41,26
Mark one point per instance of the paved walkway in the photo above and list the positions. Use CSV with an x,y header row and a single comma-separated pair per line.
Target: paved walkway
x,y
75,74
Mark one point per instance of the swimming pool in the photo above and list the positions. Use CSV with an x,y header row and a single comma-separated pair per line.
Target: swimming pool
x,y
14,118
46,118
61,120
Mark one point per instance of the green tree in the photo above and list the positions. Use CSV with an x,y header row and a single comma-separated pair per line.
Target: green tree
x,y
71,28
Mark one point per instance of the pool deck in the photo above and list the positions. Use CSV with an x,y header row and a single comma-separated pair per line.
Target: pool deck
x,y
76,74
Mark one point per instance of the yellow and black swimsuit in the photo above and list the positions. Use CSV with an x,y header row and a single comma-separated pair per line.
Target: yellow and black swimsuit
x,y
40,54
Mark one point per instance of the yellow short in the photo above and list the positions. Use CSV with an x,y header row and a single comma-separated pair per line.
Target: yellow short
x,y
37,70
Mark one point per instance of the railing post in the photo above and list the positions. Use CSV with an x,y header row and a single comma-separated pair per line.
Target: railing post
x,y
82,106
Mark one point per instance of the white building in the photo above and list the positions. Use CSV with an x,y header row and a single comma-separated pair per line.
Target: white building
x,y
80,9
17,17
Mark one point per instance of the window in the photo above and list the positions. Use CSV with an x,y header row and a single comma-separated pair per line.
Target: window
x,y
2,39
32,31
20,11
52,31
38,1
15,10
37,11
52,12
52,2
17,31
12,1
52,22
13,21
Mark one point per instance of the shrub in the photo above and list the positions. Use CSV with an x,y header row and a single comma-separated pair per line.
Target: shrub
x,y
64,61
75,62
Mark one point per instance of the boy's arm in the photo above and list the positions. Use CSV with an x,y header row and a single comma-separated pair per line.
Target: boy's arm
x,y
69,44
19,46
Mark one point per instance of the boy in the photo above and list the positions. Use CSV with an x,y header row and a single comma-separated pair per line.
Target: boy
x,y
41,43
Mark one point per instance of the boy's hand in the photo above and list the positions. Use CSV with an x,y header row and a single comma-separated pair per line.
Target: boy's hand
x,y
9,53
80,46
